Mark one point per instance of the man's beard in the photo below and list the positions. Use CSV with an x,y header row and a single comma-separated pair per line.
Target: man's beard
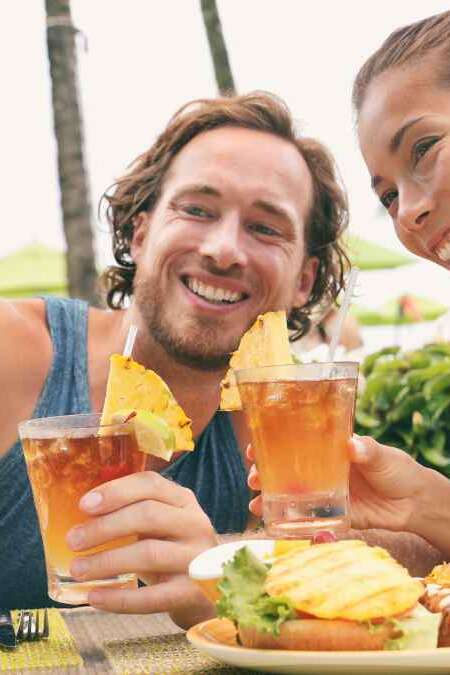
x,y
201,351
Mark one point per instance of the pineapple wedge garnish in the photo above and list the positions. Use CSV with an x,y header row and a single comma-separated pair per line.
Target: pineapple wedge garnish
x,y
344,580
266,343
133,387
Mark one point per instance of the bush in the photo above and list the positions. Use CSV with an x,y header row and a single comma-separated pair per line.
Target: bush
x,y
406,402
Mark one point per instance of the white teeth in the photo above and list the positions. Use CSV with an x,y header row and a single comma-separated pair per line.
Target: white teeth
x,y
212,293
443,251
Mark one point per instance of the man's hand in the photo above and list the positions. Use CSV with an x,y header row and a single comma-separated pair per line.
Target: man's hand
x,y
385,486
172,530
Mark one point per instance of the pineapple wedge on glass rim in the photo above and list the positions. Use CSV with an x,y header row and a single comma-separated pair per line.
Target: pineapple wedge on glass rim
x,y
266,343
133,388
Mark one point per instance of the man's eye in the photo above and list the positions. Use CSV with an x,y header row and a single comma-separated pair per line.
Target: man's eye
x,y
387,198
421,148
260,228
196,211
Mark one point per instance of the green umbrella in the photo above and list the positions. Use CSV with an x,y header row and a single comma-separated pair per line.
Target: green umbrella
x,y
370,256
33,270
389,313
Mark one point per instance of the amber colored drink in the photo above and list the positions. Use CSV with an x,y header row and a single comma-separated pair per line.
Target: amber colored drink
x,y
300,429
65,461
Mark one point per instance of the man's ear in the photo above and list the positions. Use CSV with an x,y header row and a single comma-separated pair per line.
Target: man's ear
x,y
306,281
140,227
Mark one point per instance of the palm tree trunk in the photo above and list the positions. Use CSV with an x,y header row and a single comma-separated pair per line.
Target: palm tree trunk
x,y
68,125
222,68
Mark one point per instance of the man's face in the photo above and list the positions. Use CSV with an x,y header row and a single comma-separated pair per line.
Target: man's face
x,y
224,243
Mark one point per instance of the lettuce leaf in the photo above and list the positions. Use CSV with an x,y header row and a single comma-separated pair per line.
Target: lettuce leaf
x,y
417,631
243,599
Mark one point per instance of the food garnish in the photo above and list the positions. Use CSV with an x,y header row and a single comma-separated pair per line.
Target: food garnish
x,y
266,343
131,388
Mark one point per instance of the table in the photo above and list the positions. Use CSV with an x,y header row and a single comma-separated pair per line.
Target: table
x,y
99,634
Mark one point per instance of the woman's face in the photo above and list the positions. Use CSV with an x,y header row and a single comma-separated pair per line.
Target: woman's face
x,y
404,133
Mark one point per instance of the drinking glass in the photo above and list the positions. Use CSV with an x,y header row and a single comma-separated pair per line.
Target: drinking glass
x,y
66,457
301,420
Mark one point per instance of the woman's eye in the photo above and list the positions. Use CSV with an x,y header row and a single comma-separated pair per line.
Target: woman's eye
x,y
387,198
421,148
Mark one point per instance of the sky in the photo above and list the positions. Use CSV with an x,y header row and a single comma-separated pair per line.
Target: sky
x,y
140,60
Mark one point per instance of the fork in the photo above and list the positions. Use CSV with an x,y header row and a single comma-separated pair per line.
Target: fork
x,y
31,627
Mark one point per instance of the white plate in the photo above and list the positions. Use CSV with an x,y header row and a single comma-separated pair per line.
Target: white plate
x,y
217,638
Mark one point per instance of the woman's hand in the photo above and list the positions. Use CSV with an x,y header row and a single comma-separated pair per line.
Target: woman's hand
x,y
172,529
385,486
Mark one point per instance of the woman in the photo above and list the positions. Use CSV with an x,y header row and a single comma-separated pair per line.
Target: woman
x,y
402,100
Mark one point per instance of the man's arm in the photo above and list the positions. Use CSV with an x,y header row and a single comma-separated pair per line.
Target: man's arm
x,y
413,552
431,517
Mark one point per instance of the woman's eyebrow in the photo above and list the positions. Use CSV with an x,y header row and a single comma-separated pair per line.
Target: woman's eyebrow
x,y
374,181
397,138
395,143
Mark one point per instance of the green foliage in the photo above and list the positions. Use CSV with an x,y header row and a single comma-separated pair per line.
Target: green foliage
x,y
388,314
406,402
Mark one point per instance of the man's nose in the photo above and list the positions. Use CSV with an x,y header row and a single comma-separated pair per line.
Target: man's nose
x,y
415,205
223,243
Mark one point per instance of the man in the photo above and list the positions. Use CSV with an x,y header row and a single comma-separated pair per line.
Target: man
x,y
227,216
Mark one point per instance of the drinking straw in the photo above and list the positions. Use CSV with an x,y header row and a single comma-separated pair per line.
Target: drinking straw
x,y
342,312
129,344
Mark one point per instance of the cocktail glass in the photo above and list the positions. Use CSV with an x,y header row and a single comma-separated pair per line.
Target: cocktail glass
x,y
301,420
66,457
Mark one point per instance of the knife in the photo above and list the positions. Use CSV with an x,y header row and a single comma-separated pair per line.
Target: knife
x,y
7,635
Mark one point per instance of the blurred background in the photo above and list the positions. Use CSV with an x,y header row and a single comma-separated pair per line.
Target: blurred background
x,y
134,64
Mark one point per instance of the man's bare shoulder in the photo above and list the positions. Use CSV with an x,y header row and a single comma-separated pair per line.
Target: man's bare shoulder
x,y
20,319
26,354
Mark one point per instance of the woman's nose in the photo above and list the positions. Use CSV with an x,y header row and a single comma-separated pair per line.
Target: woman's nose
x,y
414,209
223,244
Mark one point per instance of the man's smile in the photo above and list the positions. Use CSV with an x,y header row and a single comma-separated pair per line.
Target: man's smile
x,y
216,294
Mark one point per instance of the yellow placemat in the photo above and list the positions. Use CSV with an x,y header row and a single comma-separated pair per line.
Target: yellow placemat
x,y
58,651
162,655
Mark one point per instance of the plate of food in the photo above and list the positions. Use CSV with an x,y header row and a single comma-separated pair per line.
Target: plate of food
x,y
337,606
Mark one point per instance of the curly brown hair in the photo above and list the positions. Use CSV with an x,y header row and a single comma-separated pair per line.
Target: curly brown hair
x,y
407,45
140,188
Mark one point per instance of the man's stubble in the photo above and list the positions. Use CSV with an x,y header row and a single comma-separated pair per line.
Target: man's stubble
x,y
198,346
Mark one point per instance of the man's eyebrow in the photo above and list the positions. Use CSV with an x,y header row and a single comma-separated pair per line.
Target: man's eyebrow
x,y
273,209
395,143
197,188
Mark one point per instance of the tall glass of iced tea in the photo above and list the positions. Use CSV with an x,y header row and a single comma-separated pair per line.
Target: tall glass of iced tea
x,y
66,457
301,421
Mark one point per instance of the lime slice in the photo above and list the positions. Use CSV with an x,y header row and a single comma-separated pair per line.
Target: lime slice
x,y
153,435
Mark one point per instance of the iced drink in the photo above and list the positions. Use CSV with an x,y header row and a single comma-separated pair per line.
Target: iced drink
x,y
66,457
301,421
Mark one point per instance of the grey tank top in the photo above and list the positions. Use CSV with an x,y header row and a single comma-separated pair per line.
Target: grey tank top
x,y
214,471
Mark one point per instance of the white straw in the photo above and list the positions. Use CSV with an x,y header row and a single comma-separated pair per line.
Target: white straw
x,y
129,344
342,313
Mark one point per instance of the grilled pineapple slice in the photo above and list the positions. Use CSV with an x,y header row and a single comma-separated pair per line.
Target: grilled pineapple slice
x,y
344,580
131,386
283,547
266,343
439,575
